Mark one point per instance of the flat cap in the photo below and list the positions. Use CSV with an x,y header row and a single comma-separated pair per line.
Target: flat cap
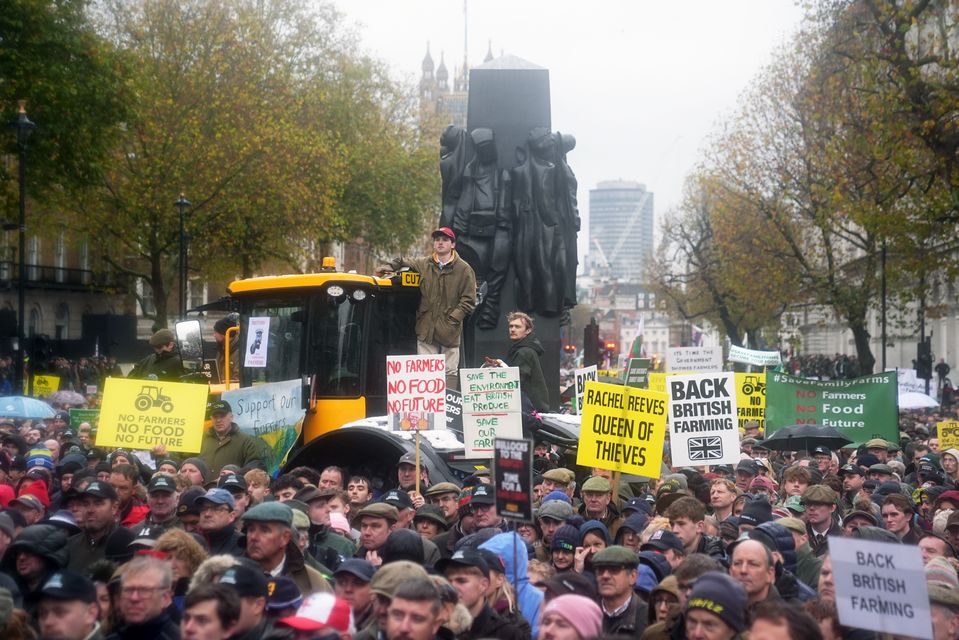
x,y
392,574
379,510
598,484
561,476
793,524
440,488
877,443
433,514
555,510
616,556
161,338
819,494
270,512
881,468
861,514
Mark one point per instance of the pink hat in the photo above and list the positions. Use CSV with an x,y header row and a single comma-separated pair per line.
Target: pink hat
x,y
321,611
340,524
581,612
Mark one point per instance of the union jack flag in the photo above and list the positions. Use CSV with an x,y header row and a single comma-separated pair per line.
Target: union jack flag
x,y
706,448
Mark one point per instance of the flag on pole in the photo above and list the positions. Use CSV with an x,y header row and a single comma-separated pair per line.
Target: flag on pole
x,y
636,351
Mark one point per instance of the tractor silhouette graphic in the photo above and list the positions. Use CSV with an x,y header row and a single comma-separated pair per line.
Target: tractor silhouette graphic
x,y
256,341
151,396
751,384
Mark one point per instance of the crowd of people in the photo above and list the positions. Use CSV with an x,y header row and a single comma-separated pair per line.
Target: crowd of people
x,y
123,544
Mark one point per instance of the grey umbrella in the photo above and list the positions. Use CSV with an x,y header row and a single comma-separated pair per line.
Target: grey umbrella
x,y
805,437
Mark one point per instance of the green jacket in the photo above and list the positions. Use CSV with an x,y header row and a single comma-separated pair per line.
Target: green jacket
x,y
808,566
525,353
447,296
237,448
165,365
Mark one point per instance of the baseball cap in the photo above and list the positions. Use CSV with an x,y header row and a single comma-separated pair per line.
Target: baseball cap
x,y
358,567
795,503
569,582
322,611
246,581
161,482
187,505
407,458
748,466
444,231
464,558
29,501
822,450
220,406
232,482
661,541
100,489
62,415
398,499
67,585
217,496
483,494
851,469
283,594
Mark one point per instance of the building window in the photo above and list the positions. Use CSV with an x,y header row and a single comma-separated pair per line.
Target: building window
x,y
62,318
33,258
60,255
34,323
146,298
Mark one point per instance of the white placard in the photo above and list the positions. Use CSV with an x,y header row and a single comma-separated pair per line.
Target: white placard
x,y
753,357
257,342
703,426
881,586
910,383
492,408
582,376
694,359
416,391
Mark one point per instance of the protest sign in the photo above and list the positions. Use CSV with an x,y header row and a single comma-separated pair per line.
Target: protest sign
x,y
492,408
582,376
753,357
860,408
881,586
637,373
454,410
272,412
140,414
703,425
909,382
657,380
751,398
45,385
257,342
416,391
79,416
91,389
513,475
623,429
694,359
948,432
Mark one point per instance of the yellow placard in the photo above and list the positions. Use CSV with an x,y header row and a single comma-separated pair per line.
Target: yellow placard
x,y
948,434
44,385
140,414
751,398
623,429
657,380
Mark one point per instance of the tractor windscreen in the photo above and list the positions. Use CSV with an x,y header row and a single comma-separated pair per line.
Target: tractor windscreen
x,y
337,346
271,344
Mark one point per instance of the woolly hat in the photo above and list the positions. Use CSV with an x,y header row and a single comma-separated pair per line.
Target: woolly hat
x,y
722,596
566,538
556,495
581,612
40,458
199,464
38,490
939,571
756,512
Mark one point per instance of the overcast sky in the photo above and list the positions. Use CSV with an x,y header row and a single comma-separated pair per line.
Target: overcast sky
x,y
641,84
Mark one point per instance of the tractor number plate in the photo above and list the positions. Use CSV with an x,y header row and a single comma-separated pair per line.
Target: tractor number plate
x,y
411,279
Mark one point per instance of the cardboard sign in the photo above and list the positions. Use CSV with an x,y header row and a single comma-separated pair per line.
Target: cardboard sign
x,y
703,425
637,373
751,398
909,382
454,410
513,478
694,359
492,408
582,376
881,586
753,357
272,412
140,414
416,391
45,385
623,429
257,342
860,409
948,434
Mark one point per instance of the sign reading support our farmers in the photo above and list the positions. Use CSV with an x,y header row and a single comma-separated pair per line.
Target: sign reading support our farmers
x,y
881,586
637,374
492,408
272,412
860,409
416,391
948,432
751,398
582,376
753,357
623,429
513,475
140,414
703,426
694,359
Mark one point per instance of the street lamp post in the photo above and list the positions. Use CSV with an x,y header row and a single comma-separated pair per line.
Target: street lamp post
x,y
181,204
23,127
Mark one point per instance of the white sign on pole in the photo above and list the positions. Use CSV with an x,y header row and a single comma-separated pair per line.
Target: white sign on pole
x,y
910,383
694,359
582,376
416,391
492,408
257,342
881,586
753,357
703,426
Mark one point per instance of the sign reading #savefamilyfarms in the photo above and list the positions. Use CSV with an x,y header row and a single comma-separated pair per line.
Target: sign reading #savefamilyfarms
x,y
623,429
860,408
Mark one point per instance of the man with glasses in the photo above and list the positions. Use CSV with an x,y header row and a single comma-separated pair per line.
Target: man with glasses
x,y
144,597
217,522
623,611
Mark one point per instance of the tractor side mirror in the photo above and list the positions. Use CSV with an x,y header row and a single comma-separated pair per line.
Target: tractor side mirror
x,y
190,342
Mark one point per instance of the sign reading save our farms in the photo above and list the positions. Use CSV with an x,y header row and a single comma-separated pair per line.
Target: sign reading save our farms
x,y
492,408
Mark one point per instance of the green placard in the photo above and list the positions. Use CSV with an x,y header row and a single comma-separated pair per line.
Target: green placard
x,y
637,373
84,415
861,408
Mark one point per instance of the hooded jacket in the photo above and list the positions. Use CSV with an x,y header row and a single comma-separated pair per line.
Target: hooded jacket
x,y
525,354
511,549
44,540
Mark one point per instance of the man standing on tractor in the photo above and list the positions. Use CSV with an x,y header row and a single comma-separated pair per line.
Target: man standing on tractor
x,y
164,363
225,444
447,296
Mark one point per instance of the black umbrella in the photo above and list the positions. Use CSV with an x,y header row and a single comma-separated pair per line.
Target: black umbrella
x,y
805,437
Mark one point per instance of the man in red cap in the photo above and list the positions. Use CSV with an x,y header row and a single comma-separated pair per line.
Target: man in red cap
x,y
447,296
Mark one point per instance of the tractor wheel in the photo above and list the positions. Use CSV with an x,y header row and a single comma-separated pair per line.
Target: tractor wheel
x,y
142,403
